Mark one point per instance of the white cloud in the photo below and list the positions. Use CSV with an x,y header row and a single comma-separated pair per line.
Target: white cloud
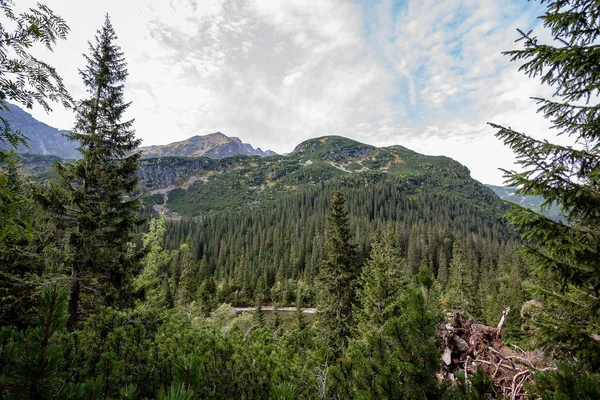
x,y
425,74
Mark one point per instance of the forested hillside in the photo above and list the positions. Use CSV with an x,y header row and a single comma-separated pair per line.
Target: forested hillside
x,y
408,280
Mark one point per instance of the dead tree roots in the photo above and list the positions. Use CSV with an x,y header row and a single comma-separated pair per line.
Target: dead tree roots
x,y
468,345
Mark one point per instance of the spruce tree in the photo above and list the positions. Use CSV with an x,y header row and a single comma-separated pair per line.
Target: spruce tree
x,y
460,291
95,205
189,281
259,314
337,278
380,282
564,253
400,359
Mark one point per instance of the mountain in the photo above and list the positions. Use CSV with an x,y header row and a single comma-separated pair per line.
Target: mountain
x,y
43,139
197,186
260,222
214,145
192,187
531,202
46,140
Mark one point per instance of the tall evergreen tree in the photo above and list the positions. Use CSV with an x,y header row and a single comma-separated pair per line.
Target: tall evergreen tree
x,y
337,278
380,282
189,283
97,211
565,253
461,293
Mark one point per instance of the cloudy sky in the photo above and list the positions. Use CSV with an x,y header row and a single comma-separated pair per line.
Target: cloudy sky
x,y
425,74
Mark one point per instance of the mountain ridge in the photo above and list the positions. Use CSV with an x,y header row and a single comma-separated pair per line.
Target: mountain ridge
x,y
192,186
532,202
188,186
43,139
213,145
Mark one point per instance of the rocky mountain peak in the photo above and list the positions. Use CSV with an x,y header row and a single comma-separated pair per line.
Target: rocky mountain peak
x,y
213,145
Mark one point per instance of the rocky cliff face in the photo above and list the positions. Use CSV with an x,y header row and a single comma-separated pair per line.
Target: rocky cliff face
x,y
214,145
43,139
163,172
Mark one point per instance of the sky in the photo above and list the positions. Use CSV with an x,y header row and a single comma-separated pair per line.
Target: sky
x,y
424,74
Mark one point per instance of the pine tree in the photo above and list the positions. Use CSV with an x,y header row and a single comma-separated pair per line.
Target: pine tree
x,y
206,295
380,282
94,205
33,367
337,278
565,253
189,282
300,322
400,359
460,291
259,314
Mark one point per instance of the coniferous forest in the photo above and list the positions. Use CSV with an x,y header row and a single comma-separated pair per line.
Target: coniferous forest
x,y
102,296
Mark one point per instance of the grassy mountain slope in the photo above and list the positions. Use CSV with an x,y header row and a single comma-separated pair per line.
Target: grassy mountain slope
x,y
196,186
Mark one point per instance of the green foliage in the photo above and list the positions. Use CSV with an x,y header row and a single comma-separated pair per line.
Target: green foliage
x,y
461,292
150,281
189,281
31,368
564,253
17,243
284,391
188,370
176,392
90,205
337,279
26,80
399,359
566,382
259,315
478,386
379,284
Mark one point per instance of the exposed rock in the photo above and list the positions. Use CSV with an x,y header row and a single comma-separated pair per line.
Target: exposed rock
x,y
214,145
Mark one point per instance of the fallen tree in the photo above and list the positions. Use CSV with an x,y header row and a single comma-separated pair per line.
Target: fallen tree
x,y
468,345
